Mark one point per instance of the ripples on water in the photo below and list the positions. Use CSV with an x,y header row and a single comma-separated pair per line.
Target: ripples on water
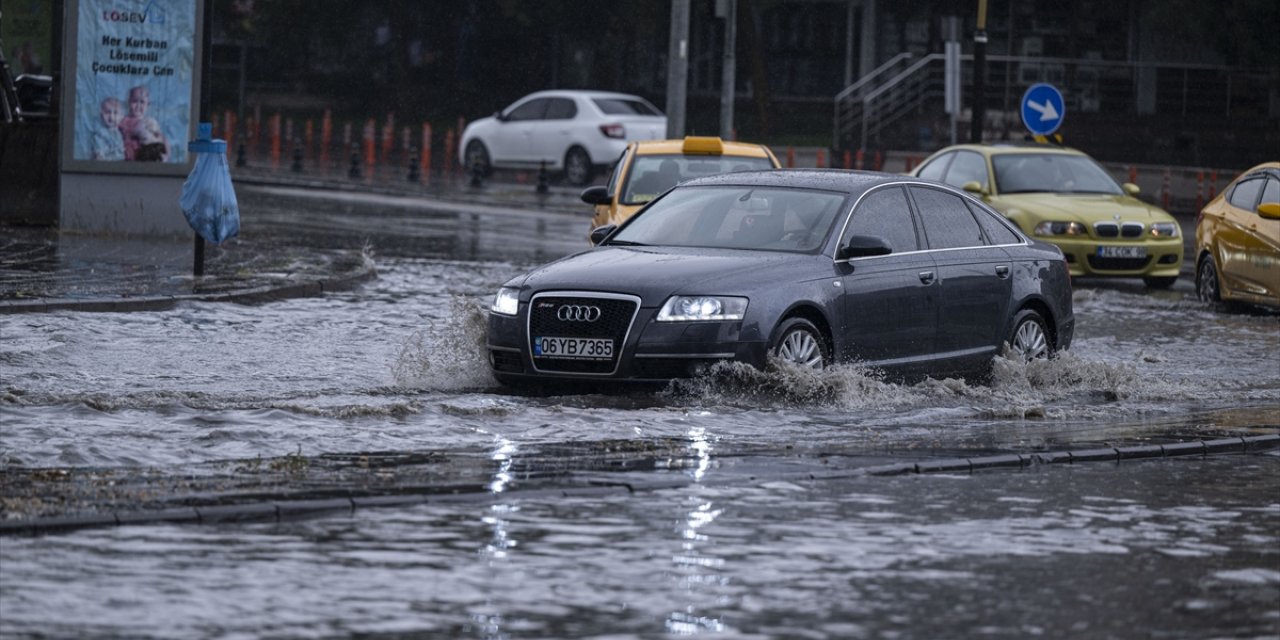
x,y
1086,551
400,364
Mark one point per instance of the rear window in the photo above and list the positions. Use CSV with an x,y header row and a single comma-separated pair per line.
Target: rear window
x,y
626,107
651,175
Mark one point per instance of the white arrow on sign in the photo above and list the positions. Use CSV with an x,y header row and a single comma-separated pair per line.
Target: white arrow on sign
x,y
1046,110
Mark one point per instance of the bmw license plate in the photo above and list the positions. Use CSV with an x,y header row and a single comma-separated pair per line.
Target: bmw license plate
x,y
573,348
1122,252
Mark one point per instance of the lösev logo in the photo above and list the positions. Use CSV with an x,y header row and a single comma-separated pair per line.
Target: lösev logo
x,y
150,14
577,313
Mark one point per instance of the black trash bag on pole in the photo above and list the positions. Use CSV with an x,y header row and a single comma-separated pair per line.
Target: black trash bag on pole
x,y
208,197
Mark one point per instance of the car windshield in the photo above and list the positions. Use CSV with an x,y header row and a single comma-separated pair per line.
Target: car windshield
x,y
736,217
1050,172
651,175
626,106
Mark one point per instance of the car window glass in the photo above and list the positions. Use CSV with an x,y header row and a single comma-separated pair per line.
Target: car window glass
x,y
561,109
885,214
1051,173
651,174
618,167
1245,195
625,106
736,217
998,232
531,110
1272,191
934,169
967,167
947,221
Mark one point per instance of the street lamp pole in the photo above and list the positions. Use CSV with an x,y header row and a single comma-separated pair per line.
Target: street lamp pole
x,y
979,75
677,68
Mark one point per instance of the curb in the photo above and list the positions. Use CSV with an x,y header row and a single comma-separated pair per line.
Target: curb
x,y
255,295
279,511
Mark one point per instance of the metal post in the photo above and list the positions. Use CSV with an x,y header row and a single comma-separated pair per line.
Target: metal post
x,y
979,74
729,68
206,87
677,68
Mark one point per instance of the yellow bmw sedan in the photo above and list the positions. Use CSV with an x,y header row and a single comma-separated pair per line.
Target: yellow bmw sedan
x,y
1064,197
648,168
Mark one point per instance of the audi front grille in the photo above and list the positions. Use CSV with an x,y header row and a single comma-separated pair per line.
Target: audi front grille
x,y
585,318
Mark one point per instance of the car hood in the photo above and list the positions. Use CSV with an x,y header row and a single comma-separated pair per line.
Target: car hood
x,y
1087,208
654,273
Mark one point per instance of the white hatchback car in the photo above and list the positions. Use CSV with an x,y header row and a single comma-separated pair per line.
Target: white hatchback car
x,y
571,131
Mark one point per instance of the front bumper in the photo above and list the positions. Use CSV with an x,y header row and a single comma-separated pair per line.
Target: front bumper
x,y
653,352
1084,257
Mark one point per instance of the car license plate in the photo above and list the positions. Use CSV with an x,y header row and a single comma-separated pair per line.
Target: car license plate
x,y
573,348
1122,252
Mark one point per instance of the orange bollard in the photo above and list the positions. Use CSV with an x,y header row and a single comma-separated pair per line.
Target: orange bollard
x,y
229,122
879,162
910,164
447,164
848,159
791,157
326,137
821,161
1199,189
426,151
858,159
1213,184
388,136
1133,174
370,146
275,141
1164,197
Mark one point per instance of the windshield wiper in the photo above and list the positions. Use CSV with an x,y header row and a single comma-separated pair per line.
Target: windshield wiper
x,y
626,243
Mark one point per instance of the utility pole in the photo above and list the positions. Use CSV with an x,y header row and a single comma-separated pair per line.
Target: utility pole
x,y
728,9
677,68
979,74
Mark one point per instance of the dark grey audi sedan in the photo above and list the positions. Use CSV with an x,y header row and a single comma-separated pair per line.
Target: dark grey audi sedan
x,y
814,267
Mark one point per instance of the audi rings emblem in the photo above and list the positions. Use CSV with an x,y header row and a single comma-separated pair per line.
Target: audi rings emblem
x,y
577,313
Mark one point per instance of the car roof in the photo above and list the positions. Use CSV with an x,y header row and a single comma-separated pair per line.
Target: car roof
x,y
677,147
998,148
1266,168
842,180
582,93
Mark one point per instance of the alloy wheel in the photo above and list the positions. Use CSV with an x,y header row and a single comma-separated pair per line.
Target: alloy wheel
x,y
1030,341
801,347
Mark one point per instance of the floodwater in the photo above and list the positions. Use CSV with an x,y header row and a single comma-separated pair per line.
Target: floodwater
x,y
1103,550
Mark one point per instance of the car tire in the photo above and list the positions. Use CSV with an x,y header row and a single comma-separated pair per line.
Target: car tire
x,y
1208,286
799,342
1029,339
478,154
1159,282
577,166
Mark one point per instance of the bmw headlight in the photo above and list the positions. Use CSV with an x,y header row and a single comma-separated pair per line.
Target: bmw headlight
x,y
1164,230
702,308
1060,229
507,302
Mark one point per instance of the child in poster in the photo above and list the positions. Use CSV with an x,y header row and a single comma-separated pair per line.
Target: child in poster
x,y
108,141
140,129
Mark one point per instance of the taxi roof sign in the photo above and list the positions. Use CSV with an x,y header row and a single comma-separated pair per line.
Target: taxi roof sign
x,y
703,144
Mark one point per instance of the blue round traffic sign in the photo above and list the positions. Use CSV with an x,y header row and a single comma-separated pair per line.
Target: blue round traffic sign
x,y
1042,109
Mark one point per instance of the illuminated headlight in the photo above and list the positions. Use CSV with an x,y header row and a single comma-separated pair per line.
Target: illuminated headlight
x,y
1060,229
507,302
702,308
1164,230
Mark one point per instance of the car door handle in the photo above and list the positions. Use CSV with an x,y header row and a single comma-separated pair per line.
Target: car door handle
x,y
1002,270
926,277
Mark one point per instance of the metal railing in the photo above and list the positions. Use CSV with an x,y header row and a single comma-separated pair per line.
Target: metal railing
x,y
896,89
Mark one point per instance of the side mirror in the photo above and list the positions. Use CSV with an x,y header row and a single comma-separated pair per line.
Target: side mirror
x,y
974,187
1131,189
1269,210
597,194
598,234
863,246
497,115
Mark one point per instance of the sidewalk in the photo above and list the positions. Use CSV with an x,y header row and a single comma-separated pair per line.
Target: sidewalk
x,y
45,269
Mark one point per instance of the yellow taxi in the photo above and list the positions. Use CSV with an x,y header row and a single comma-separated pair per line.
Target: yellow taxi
x,y
648,168
1062,196
1238,240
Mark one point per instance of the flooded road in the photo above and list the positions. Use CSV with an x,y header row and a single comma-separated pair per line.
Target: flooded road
x,y
205,391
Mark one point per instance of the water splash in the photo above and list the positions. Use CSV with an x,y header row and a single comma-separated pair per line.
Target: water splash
x,y
449,354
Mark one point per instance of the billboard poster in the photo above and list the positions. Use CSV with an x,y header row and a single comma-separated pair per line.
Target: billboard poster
x,y
26,29
135,79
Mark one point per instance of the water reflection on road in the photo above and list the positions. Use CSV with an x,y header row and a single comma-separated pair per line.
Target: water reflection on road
x,y
396,367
